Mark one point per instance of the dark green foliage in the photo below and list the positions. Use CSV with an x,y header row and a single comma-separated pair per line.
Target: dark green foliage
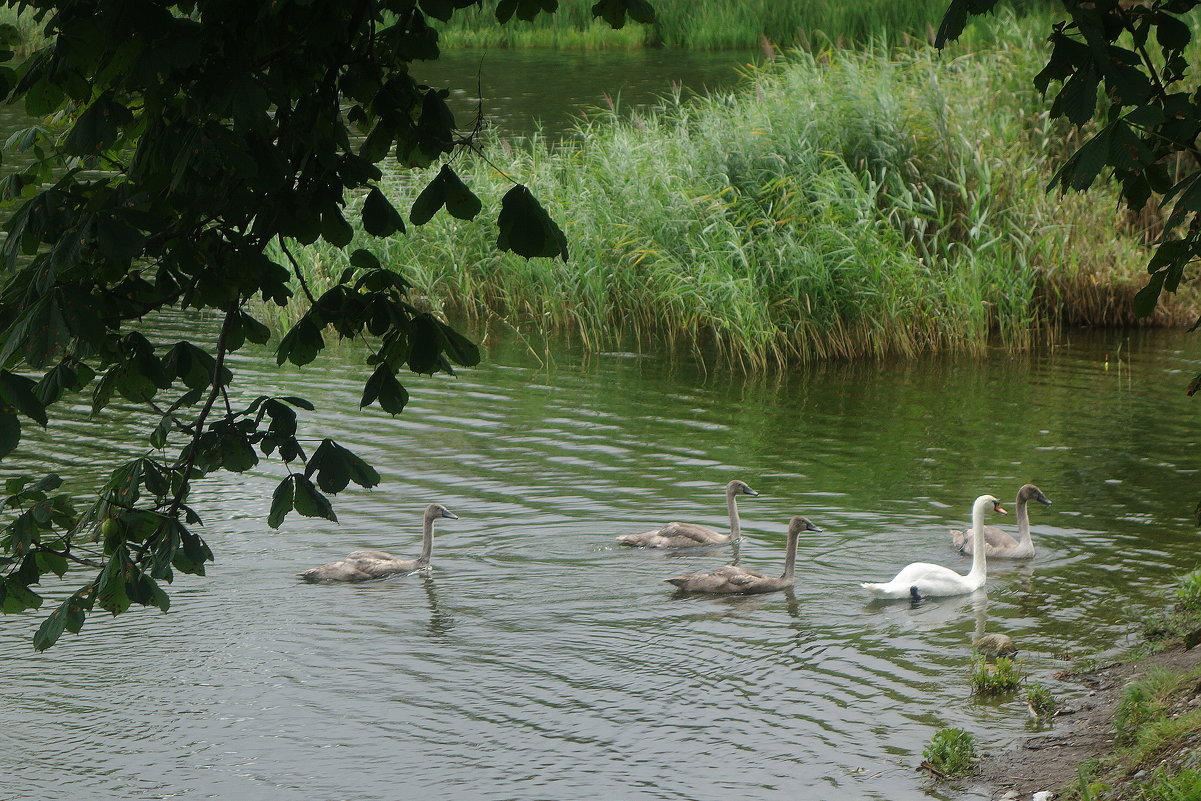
x,y
178,144
614,11
447,189
526,228
1124,65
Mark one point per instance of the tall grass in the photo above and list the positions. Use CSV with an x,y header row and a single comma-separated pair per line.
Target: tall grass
x,y
842,205
709,25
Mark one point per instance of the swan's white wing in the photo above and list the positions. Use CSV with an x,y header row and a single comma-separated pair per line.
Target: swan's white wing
x,y
923,571
929,579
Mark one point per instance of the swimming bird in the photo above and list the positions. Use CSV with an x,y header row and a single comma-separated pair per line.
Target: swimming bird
x,y
690,535
365,565
999,544
995,645
743,580
922,579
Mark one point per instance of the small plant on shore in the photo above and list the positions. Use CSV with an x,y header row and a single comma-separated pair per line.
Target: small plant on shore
x,y
1041,703
952,752
1138,707
1168,785
1087,787
1188,591
1181,623
995,679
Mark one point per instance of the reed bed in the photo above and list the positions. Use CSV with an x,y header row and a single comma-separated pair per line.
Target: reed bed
x,y
844,204
712,25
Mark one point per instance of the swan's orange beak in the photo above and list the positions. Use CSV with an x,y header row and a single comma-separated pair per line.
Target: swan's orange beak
x,y
996,507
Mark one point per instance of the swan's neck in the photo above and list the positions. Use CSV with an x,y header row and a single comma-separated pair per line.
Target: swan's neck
x,y
427,539
790,556
1023,522
735,523
979,560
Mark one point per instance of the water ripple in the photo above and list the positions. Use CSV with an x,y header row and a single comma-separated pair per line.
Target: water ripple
x,y
537,659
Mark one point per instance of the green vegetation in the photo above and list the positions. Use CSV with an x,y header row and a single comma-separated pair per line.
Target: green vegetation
x,y
1188,592
1171,785
995,679
1040,702
951,752
845,204
711,25
1123,75
1178,625
1157,724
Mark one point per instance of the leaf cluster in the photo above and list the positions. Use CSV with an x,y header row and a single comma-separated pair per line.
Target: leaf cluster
x,y
178,149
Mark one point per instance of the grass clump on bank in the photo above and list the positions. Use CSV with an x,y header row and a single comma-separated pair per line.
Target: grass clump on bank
x,y
1040,702
1157,725
951,752
843,205
1179,624
994,679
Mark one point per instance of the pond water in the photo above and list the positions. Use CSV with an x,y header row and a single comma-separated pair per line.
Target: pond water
x,y
519,91
537,660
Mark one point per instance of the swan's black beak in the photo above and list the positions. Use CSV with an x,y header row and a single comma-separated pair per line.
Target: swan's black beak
x,y
751,492
449,514
811,527
996,507
1043,499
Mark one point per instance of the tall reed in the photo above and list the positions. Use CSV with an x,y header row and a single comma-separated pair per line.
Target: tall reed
x,y
842,205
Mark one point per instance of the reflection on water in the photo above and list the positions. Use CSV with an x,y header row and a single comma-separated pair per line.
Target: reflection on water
x,y
539,660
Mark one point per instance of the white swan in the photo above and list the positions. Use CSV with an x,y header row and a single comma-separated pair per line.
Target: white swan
x,y
998,544
922,579
690,535
364,565
743,580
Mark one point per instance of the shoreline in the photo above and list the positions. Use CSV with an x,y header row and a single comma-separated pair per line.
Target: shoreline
x,y
1049,761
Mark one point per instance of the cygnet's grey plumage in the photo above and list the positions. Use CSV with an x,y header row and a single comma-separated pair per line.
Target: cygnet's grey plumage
x,y
690,535
995,645
999,544
733,579
366,565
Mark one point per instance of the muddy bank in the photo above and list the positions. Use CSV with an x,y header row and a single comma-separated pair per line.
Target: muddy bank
x,y
1082,732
